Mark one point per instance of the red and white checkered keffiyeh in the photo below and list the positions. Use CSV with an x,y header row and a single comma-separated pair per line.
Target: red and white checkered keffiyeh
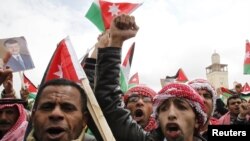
x,y
17,132
182,90
145,91
202,84
140,90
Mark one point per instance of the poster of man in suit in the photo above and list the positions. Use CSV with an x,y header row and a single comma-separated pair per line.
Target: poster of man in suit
x,y
20,58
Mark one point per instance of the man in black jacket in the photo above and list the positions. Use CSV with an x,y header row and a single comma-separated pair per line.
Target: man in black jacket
x,y
108,94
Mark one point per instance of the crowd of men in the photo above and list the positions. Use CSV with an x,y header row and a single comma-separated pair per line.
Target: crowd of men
x,y
179,111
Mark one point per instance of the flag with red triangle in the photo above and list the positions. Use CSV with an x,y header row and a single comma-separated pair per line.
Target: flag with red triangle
x,y
247,58
29,85
64,64
101,12
110,9
226,91
246,88
180,76
133,81
125,68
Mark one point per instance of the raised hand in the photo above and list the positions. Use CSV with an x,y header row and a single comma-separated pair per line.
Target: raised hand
x,y
8,84
103,39
122,27
4,73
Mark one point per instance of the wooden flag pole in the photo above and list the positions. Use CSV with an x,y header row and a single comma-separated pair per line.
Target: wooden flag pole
x,y
22,81
96,113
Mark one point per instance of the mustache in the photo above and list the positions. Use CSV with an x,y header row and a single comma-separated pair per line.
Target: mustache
x,y
4,122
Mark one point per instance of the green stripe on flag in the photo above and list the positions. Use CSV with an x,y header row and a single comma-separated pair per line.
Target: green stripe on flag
x,y
247,69
95,16
131,85
246,97
123,82
32,96
225,96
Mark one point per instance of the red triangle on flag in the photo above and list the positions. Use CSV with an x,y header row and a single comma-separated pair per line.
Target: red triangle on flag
x,y
64,64
129,56
127,62
125,68
181,76
134,79
29,85
226,90
246,88
109,10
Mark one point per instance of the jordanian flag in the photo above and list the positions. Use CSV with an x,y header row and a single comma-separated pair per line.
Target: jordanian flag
x,y
29,85
101,12
247,59
133,81
94,14
125,69
64,64
226,93
179,76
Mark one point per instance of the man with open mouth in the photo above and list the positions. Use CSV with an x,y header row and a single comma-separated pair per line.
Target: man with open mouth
x,y
238,112
59,112
180,111
208,93
178,108
139,100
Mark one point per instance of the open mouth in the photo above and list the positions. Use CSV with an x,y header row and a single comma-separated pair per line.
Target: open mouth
x,y
55,132
173,130
138,115
237,109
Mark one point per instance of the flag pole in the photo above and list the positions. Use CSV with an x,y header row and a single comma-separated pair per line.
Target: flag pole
x,y
88,50
65,48
22,81
96,113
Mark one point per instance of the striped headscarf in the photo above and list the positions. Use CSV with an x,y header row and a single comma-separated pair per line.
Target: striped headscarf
x,y
17,131
202,84
140,90
182,90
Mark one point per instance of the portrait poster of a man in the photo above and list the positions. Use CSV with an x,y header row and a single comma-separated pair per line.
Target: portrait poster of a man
x,y
19,58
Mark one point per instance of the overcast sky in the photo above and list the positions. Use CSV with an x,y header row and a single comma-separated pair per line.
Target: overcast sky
x,y
173,34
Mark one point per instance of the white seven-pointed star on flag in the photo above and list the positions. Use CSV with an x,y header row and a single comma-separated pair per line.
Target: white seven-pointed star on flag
x,y
247,55
59,73
114,9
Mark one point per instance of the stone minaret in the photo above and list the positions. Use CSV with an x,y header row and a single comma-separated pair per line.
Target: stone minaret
x,y
217,74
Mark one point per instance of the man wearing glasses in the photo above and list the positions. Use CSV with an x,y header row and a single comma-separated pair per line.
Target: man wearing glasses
x,y
139,100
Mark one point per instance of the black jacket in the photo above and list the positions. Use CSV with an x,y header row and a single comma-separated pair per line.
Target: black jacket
x,y
108,94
